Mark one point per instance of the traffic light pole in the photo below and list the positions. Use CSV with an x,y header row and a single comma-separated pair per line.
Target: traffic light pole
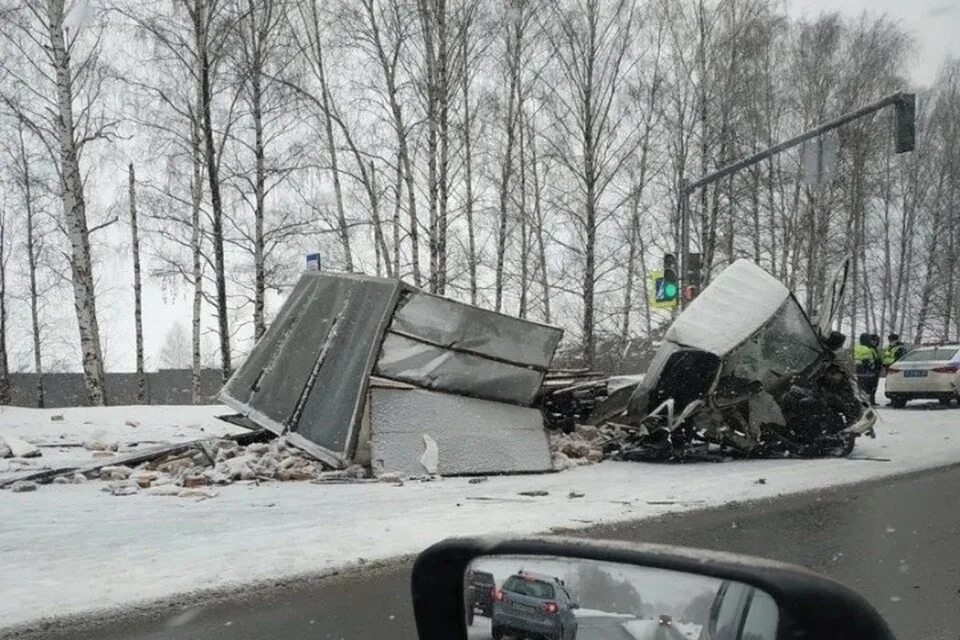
x,y
903,137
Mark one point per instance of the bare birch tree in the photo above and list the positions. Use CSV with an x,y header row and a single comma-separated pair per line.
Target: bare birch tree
x,y
4,260
57,81
137,289
591,45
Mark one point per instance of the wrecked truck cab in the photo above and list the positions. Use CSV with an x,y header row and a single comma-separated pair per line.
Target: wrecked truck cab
x,y
744,368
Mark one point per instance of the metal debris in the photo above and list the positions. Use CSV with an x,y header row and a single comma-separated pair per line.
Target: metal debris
x,y
742,372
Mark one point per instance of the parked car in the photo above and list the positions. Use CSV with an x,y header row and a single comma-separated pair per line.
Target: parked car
x,y
741,612
929,372
531,604
481,587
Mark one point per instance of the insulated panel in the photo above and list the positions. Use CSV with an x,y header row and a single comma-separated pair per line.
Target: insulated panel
x,y
472,436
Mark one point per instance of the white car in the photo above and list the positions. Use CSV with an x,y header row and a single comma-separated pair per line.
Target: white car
x,y
925,373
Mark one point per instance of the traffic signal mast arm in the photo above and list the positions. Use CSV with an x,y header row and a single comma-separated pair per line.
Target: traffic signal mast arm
x,y
904,135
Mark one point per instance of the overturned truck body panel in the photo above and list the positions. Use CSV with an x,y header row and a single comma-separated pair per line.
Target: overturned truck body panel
x,y
743,371
308,377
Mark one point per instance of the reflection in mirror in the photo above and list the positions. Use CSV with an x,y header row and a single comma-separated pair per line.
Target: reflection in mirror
x,y
553,598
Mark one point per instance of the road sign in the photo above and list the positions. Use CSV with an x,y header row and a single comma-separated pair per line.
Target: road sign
x,y
664,293
313,262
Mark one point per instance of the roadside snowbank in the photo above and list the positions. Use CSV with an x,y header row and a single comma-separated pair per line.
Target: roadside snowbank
x,y
69,549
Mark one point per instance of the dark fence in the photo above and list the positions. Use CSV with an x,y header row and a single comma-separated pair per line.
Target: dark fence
x,y
167,386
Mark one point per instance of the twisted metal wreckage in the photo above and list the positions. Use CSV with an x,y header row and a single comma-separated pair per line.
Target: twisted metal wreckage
x,y
366,373
742,372
373,371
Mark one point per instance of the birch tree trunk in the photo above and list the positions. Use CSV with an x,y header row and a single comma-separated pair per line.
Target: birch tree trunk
x,y
335,174
514,48
524,218
259,200
137,291
4,362
388,65
468,177
74,209
442,89
632,241
428,24
32,256
397,207
201,19
196,249
538,223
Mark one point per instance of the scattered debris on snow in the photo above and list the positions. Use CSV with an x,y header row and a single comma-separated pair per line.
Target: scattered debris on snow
x,y
121,488
115,473
21,448
100,441
18,448
584,445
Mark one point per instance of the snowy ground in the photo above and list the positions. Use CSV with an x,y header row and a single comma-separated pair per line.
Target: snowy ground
x,y
67,549
60,433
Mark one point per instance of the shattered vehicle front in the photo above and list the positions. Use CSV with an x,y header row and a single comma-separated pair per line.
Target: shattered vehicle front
x,y
744,372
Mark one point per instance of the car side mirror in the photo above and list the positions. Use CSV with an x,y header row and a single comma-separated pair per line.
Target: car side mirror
x,y
627,590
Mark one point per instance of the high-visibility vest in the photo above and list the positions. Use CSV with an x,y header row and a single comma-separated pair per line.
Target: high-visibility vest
x,y
867,359
862,353
892,353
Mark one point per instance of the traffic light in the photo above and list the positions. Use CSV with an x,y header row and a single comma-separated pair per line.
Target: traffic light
x,y
904,127
668,289
691,276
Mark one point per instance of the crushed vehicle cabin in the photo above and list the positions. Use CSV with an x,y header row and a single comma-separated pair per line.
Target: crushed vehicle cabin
x,y
744,372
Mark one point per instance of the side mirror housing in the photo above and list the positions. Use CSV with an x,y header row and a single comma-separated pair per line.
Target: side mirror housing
x,y
796,602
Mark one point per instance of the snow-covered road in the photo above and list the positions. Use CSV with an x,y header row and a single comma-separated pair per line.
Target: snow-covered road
x,y
67,549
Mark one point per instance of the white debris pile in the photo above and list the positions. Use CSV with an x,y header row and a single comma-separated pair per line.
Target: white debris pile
x,y
14,447
99,440
582,446
216,462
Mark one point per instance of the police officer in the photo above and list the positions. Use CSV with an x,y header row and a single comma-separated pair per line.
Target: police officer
x,y
894,351
866,357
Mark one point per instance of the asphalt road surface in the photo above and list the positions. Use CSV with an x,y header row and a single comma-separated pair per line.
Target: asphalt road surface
x,y
897,541
596,628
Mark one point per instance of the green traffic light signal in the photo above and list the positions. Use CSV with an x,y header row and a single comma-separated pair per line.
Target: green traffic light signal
x,y
670,291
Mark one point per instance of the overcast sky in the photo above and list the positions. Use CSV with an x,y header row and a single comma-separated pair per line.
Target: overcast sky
x,y
934,24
